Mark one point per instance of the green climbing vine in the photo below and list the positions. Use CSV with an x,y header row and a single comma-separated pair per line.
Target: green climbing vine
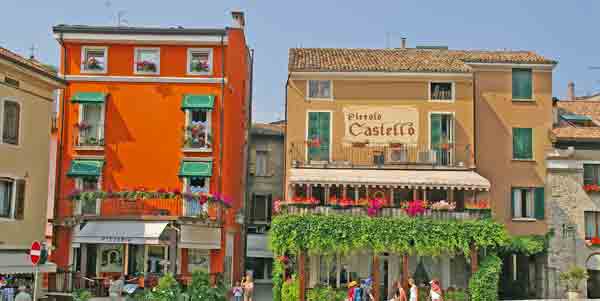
x,y
527,244
343,233
483,285
278,274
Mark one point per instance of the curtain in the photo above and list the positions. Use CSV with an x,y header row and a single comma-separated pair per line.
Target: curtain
x,y
516,199
590,224
92,115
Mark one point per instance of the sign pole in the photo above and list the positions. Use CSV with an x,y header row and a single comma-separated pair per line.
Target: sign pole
x,y
35,282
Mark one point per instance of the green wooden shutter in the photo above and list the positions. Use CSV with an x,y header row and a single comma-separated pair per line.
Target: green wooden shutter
x,y
269,207
436,130
588,174
539,203
512,202
522,87
522,143
20,200
313,133
324,118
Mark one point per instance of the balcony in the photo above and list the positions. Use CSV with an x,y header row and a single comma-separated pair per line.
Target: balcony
x,y
89,136
395,156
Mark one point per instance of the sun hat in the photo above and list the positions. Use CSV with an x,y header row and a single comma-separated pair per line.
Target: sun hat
x,y
352,284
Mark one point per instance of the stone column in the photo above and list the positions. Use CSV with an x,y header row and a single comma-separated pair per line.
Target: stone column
x,y
405,270
302,276
474,259
376,276
173,251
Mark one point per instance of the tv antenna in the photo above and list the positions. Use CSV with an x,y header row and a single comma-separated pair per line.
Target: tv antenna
x,y
32,50
120,15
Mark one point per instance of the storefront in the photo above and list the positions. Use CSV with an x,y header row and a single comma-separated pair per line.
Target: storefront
x,y
16,270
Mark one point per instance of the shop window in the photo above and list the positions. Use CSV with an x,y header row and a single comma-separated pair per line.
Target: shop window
x,y
261,268
111,259
156,260
94,59
328,271
147,61
199,61
320,89
198,260
136,259
441,91
198,129
402,195
318,193
11,122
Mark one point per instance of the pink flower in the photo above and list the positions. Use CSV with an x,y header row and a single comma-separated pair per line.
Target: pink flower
x,y
203,199
415,208
227,201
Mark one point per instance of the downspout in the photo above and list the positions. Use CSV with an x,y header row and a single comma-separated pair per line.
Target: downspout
x,y
59,149
248,144
475,119
221,116
285,135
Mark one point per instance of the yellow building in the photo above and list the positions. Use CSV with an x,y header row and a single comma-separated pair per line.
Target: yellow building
x,y
26,106
464,131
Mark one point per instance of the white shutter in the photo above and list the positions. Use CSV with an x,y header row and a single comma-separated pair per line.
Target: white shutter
x,y
517,202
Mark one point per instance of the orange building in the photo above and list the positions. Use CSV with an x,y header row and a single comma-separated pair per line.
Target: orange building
x,y
150,173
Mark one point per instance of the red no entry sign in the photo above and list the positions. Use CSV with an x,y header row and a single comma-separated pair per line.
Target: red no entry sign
x,y
35,252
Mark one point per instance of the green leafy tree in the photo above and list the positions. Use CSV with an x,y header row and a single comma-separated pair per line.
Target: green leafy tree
x,y
201,289
289,290
167,290
483,285
82,295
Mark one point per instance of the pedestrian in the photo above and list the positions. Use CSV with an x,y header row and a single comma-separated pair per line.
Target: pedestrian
x,y
23,295
351,286
115,290
398,293
436,290
237,291
414,291
248,285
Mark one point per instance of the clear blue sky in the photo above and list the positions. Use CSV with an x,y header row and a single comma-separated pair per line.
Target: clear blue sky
x,y
565,30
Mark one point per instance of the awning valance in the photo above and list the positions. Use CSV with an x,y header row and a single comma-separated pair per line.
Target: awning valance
x,y
468,180
121,232
85,168
17,262
195,169
200,237
197,102
88,97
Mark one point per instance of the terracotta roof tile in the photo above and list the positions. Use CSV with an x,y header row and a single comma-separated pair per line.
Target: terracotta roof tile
x,y
570,131
402,60
30,63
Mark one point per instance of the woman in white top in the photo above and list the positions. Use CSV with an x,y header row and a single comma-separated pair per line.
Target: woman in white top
x,y
436,291
414,291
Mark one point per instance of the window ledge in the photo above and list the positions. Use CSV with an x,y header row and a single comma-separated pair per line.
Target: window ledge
x,y
196,150
524,219
10,145
319,99
89,148
442,100
146,73
524,160
523,100
82,71
7,220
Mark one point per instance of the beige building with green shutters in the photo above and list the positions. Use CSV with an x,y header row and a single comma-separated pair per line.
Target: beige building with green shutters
x,y
26,101
465,131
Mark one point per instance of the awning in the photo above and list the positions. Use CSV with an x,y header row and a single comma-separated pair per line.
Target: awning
x,y
17,262
89,97
195,169
257,246
200,237
197,102
468,180
120,232
82,168
572,117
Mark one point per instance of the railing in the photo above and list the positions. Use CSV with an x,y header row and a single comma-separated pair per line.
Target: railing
x,y
89,135
306,154
466,214
160,207
197,137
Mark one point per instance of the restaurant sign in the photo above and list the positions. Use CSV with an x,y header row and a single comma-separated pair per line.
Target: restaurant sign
x,y
381,125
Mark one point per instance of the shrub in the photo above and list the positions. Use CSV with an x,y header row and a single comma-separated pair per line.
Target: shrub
x,y
573,277
278,271
289,290
483,285
322,292
201,290
167,290
456,295
81,295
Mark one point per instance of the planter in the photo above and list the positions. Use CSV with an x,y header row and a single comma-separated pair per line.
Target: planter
x,y
573,296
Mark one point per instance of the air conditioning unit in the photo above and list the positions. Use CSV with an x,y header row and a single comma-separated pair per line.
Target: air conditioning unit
x,y
398,155
427,156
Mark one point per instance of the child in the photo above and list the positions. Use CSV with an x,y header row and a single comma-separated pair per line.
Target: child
x,y
237,291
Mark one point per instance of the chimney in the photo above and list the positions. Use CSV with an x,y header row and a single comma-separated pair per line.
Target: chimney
x,y
403,43
238,19
571,91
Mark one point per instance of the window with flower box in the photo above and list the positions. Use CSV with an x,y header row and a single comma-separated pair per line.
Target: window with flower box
x,y
88,207
199,61
91,125
592,224
591,174
195,185
198,130
147,61
94,59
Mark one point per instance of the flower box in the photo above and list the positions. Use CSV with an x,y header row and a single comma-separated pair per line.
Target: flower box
x,y
146,66
594,241
591,188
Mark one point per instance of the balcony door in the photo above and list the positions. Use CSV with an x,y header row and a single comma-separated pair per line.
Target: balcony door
x,y
442,137
319,136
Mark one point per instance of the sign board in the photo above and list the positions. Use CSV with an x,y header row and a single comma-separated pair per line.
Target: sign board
x,y
381,124
35,252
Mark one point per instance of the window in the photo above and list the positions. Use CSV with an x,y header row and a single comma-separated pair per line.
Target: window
x,y
91,124
522,143
591,174
198,260
88,207
147,61
320,89
592,223
198,129
528,203
12,198
199,61
11,122
442,138
196,185
261,208
261,163
338,271
522,88
319,136
441,91
94,59
11,81
262,268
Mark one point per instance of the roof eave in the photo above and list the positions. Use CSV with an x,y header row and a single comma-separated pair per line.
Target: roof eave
x,y
46,74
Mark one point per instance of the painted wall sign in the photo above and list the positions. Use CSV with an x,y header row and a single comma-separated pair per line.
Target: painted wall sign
x,y
381,125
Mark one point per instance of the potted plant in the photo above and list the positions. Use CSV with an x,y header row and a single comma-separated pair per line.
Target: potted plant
x,y
572,279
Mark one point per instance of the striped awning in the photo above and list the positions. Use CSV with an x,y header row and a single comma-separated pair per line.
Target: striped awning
x,y
197,102
460,179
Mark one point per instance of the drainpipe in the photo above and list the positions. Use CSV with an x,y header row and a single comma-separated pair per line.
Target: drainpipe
x,y
60,146
244,231
221,117
475,119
